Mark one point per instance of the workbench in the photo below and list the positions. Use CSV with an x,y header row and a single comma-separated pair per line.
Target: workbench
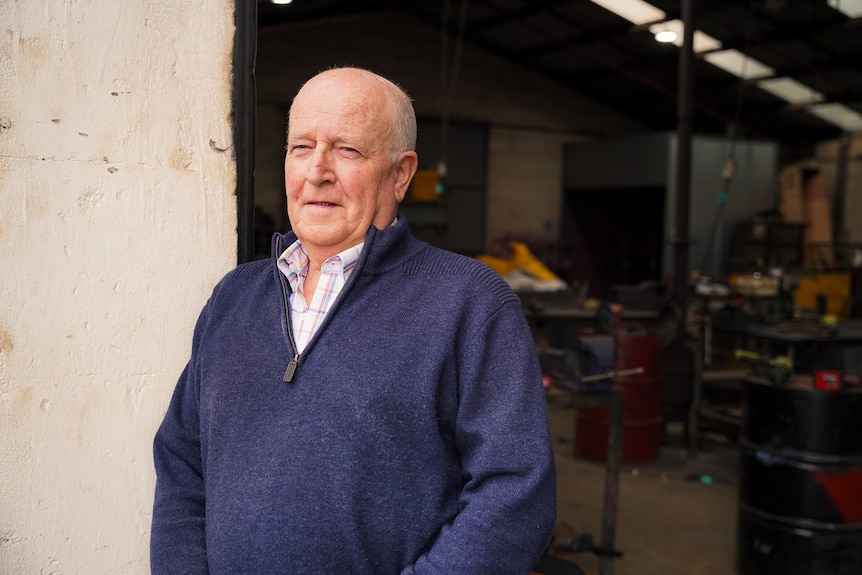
x,y
560,325
810,346
582,314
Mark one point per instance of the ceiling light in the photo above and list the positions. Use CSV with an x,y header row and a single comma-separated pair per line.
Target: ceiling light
x,y
702,42
665,36
838,114
852,8
635,11
281,1
739,64
790,90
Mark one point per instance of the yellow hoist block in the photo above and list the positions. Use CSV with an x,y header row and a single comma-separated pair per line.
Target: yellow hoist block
x,y
835,287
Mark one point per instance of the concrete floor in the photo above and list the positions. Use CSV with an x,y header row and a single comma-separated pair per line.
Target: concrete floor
x,y
669,522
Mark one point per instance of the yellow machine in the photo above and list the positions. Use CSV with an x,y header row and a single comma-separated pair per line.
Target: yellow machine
x,y
524,264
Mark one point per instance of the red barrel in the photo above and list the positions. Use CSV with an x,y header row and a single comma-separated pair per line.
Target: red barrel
x,y
642,421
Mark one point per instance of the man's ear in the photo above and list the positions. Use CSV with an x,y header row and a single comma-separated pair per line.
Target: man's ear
x,y
405,168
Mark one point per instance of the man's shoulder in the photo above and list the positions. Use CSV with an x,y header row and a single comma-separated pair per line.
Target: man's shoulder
x,y
245,274
251,270
434,261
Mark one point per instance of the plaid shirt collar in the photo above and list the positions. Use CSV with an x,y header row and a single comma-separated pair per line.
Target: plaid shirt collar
x,y
293,263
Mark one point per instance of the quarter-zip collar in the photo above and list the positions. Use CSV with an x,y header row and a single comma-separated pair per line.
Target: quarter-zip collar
x,y
384,250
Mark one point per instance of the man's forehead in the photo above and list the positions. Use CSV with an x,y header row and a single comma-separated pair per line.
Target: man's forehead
x,y
333,125
343,117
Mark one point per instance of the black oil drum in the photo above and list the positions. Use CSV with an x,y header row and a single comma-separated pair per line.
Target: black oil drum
x,y
800,482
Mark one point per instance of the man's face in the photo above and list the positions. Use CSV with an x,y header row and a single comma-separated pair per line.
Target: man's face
x,y
339,174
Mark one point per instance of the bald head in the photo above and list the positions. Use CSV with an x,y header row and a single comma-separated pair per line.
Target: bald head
x,y
382,93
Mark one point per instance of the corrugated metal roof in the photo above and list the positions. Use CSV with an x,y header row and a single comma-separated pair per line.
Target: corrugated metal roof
x,y
584,46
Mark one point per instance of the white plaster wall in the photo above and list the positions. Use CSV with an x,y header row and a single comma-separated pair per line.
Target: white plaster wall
x,y
117,215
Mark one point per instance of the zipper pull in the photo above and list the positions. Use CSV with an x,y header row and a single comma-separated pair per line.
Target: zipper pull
x,y
291,369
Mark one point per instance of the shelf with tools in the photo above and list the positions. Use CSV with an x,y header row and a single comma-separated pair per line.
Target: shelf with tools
x,y
719,410
773,351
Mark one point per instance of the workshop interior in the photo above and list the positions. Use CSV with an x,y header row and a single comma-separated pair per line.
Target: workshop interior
x,y
674,190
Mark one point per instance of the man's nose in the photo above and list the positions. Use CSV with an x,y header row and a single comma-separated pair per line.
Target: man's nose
x,y
320,166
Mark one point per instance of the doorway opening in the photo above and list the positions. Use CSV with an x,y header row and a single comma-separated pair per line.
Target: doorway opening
x,y
615,234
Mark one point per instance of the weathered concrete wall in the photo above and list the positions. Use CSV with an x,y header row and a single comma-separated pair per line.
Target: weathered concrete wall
x,y
117,215
526,174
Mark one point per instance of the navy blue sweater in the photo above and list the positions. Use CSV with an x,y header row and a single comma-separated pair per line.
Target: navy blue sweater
x,y
411,439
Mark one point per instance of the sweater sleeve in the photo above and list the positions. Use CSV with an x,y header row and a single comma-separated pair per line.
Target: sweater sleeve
x,y
178,535
508,501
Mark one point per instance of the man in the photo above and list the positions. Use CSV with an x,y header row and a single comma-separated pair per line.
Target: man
x,y
363,402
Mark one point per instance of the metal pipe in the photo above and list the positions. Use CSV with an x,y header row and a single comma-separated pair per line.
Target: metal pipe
x,y
612,480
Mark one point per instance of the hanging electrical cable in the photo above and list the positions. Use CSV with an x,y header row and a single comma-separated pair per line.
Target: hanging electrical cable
x,y
449,77
729,169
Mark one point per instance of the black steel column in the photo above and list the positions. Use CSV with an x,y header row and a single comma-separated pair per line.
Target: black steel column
x,y
839,196
244,107
682,202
